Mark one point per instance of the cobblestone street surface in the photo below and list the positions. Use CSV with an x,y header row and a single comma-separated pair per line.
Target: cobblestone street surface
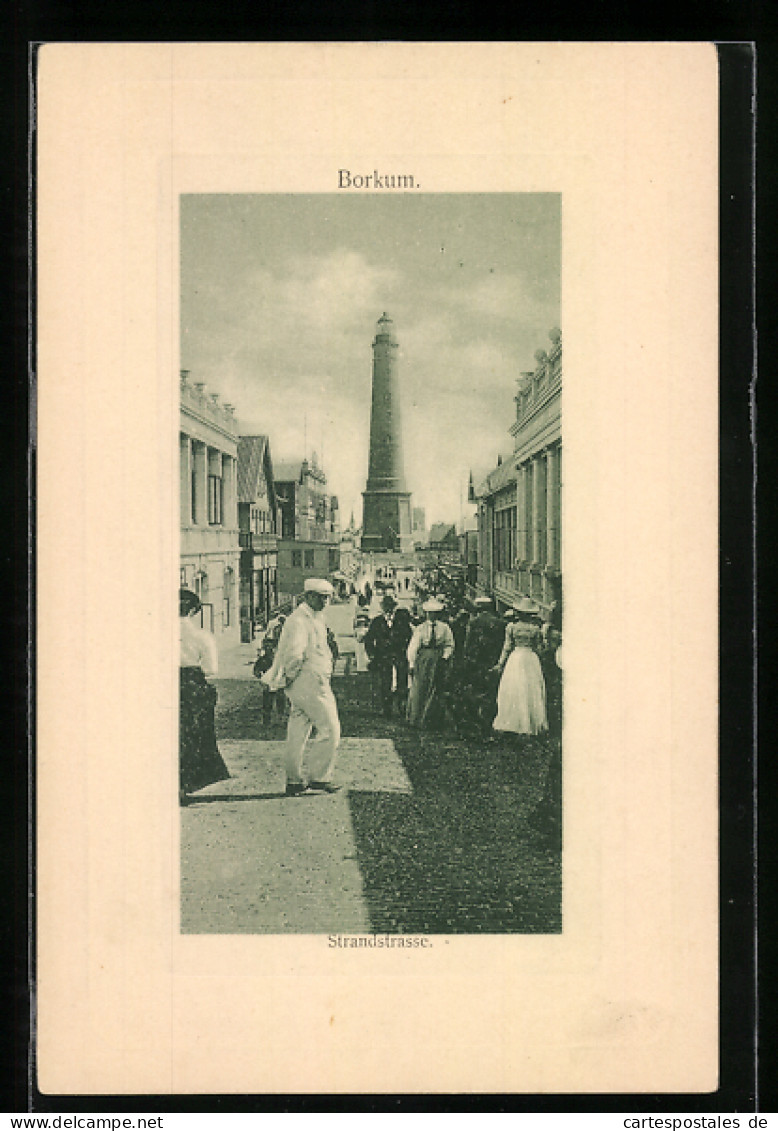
x,y
431,834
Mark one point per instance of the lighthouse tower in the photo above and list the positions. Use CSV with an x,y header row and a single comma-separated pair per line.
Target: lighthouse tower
x,y
386,522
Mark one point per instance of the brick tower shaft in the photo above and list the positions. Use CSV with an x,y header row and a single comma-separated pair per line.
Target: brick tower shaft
x,y
387,509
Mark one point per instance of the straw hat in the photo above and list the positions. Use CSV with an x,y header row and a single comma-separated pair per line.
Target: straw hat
x,y
433,606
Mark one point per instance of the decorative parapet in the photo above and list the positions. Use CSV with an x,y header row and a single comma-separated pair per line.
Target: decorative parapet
x,y
206,405
536,385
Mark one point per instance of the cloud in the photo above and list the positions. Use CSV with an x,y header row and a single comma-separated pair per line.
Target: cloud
x,y
279,319
502,297
310,303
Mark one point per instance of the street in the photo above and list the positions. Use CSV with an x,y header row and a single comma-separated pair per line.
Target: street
x,y
431,833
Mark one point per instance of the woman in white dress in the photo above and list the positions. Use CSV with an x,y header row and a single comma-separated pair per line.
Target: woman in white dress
x,y
521,696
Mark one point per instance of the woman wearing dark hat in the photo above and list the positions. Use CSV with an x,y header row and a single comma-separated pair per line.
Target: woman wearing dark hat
x,y
200,762
361,625
521,696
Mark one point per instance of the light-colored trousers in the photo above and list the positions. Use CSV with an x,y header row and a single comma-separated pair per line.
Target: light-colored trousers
x,y
312,705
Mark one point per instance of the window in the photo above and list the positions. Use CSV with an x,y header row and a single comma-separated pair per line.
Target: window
x,y
333,559
215,499
309,559
297,559
228,584
504,539
194,496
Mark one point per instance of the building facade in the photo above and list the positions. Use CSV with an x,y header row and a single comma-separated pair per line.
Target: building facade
x,y
419,527
309,542
210,553
520,501
258,520
443,541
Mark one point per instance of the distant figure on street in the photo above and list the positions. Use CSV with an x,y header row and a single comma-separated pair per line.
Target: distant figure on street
x,y
551,663
200,762
429,653
303,668
547,817
273,630
265,659
361,626
386,643
521,696
459,624
482,649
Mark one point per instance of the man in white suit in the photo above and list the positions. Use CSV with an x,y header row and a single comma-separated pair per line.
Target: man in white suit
x,y
303,667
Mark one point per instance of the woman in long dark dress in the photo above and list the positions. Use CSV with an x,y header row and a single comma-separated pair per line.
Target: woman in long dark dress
x,y
429,652
200,762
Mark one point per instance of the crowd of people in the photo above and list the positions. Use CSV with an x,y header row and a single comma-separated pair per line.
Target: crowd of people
x,y
442,663
464,667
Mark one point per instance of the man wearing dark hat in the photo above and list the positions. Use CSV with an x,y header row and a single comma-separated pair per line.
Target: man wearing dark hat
x,y
483,644
386,643
303,667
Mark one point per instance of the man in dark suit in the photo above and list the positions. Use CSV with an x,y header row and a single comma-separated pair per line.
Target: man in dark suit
x,y
386,643
482,647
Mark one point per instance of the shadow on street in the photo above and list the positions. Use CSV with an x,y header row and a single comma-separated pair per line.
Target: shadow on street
x,y
462,853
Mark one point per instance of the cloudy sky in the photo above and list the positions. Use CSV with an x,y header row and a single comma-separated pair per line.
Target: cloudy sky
x,y
279,300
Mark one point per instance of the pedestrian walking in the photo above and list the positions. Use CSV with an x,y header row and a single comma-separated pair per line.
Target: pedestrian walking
x,y
550,655
303,667
482,649
265,659
521,696
547,817
361,626
386,643
459,625
429,652
200,762
273,630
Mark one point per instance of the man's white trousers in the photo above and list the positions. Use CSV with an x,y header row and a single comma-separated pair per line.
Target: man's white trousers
x,y
312,705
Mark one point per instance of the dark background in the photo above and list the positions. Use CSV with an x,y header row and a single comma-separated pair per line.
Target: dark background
x,y
731,24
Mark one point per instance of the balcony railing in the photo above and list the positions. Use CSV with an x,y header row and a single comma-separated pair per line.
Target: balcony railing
x,y
259,543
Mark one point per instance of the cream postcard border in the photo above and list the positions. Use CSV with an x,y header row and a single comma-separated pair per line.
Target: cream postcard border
x,y
625,998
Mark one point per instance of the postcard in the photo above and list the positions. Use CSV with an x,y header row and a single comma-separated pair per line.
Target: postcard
x,y
377,594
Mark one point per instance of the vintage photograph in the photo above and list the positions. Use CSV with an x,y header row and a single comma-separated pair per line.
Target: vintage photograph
x,y
432,796
371,586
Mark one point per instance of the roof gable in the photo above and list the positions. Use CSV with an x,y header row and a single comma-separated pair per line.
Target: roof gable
x,y
441,531
255,468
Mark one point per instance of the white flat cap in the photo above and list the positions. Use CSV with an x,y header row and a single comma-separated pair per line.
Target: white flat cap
x,y
433,606
318,585
526,605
